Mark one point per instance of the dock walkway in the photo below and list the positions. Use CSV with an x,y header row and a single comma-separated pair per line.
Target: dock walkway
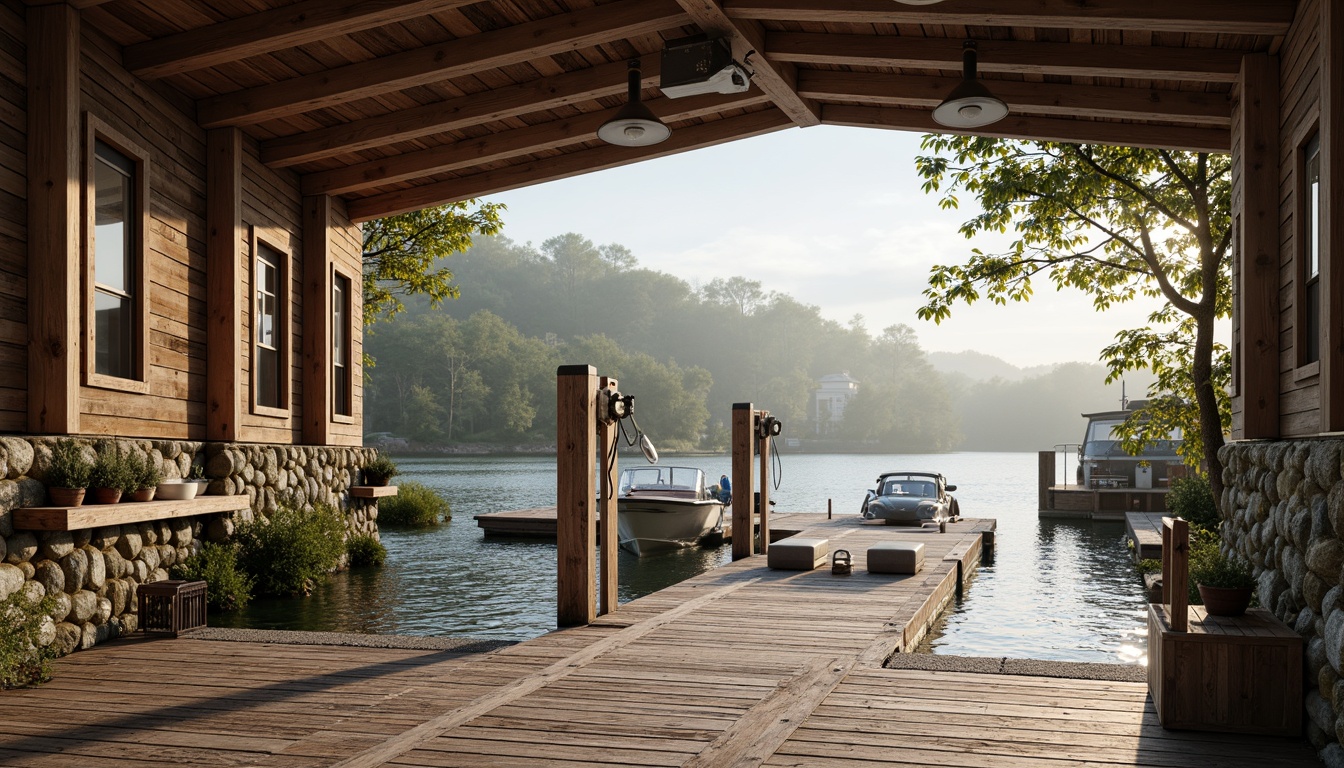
x,y
739,666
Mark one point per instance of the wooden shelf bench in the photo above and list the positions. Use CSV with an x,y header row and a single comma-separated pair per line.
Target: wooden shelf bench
x,y
372,491
95,515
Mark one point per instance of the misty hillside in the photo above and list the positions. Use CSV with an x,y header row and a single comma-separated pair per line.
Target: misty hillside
x,y
979,366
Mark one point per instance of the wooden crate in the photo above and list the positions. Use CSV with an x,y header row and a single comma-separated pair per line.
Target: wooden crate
x,y
171,607
1238,674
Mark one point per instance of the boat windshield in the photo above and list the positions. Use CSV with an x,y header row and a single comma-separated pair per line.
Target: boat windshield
x,y
661,479
909,486
1104,440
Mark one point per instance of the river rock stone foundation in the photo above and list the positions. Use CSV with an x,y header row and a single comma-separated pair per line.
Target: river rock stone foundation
x,y
93,575
1284,507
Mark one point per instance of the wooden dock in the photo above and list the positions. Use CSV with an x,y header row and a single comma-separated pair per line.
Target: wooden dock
x,y
740,666
1144,532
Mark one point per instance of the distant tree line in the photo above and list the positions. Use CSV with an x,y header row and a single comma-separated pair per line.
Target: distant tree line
x,y
481,367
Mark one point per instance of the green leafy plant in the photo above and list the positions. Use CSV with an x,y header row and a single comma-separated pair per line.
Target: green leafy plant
x,y
144,472
380,470
1149,565
197,472
23,662
1192,498
69,468
414,506
111,470
364,550
1210,567
228,588
290,552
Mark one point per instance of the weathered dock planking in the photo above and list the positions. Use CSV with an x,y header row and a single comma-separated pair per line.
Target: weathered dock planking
x,y
738,666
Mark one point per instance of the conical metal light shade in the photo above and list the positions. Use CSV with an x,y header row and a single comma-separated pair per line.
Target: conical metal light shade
x,y
634,125
970,105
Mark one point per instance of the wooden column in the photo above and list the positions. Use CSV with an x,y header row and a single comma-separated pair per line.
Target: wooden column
x,y
1045,477
765,484
1257,134
1176,571
744,451
609,541
575,466
1332,216
317,362
54,190
225,281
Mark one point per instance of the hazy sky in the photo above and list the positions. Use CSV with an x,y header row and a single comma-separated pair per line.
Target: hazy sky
x,y
832,216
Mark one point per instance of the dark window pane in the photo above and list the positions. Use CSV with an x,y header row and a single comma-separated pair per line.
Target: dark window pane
x,y
269,368
268,377
340,340
114,331
1312,314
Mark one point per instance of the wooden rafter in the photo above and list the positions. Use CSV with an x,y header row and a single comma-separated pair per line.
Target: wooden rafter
x,y
1030,128
1060,99
421,66
509,144
1237,17
572,164
510,101
1127,61
270,31
777,79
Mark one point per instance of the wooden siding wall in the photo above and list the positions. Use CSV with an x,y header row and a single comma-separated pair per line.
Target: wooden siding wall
x,y
1300,402
347,249
13,220
159,123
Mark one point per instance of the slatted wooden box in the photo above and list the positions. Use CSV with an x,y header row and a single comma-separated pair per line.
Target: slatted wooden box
x,y
1238,674
171,607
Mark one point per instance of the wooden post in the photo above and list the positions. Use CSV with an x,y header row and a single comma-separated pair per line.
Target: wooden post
x,y
54,190
744,443
575,466
317,362
1256,128
1045,477
224,280
765,484
1331,89
608,542
1176,571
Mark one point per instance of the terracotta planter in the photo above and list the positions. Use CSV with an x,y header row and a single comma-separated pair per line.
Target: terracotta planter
x,y
104,495
66,497
142,494
1225,601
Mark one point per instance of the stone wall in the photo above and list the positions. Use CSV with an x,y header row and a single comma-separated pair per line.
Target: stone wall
x,y
1285,506
93,575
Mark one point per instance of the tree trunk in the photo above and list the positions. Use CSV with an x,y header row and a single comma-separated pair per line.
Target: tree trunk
x,y
1210,423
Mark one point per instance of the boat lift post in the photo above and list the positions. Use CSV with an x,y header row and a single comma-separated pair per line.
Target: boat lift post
x,y
751,437
584,443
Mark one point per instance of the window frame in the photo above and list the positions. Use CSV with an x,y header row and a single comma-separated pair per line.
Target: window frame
x,y
1303,366
95,131
337,415
283,329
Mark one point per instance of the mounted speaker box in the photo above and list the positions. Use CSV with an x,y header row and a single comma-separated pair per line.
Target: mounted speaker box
x,y
699,64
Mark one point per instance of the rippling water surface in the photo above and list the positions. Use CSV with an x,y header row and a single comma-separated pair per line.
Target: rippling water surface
x,y
1057,590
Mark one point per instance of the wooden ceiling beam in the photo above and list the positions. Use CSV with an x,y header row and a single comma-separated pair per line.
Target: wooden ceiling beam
x,y
1026,128
509,144
777,79
269,31
1233,17
440,117
1126,61
455,58
572,164
1197,107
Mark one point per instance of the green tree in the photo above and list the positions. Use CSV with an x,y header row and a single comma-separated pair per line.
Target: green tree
x,y
1116,223
402,253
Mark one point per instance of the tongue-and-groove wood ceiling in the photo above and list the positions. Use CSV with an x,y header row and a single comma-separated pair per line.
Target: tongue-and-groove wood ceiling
x,y
397,106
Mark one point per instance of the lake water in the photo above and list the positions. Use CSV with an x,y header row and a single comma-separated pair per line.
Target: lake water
x,y
1057,590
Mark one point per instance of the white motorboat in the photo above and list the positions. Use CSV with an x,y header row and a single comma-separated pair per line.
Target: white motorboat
x,y
662,508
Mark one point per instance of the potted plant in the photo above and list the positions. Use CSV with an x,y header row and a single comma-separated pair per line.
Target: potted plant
x,y
68,475
1225,584
109,476
176,489
380,470
144,476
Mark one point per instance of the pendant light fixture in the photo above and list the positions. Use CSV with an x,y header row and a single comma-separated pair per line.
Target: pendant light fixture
x,y
970,104
634,125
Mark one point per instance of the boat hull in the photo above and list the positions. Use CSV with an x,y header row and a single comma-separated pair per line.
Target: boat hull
x,y
649,525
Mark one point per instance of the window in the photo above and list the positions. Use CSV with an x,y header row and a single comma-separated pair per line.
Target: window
x,y
1309,338
341,403
268,332
116,287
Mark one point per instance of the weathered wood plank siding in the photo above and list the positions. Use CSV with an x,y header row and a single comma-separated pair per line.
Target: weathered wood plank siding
x,y
13,219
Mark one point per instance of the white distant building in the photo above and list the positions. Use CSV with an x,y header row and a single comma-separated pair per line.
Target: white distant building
x,y
833,393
